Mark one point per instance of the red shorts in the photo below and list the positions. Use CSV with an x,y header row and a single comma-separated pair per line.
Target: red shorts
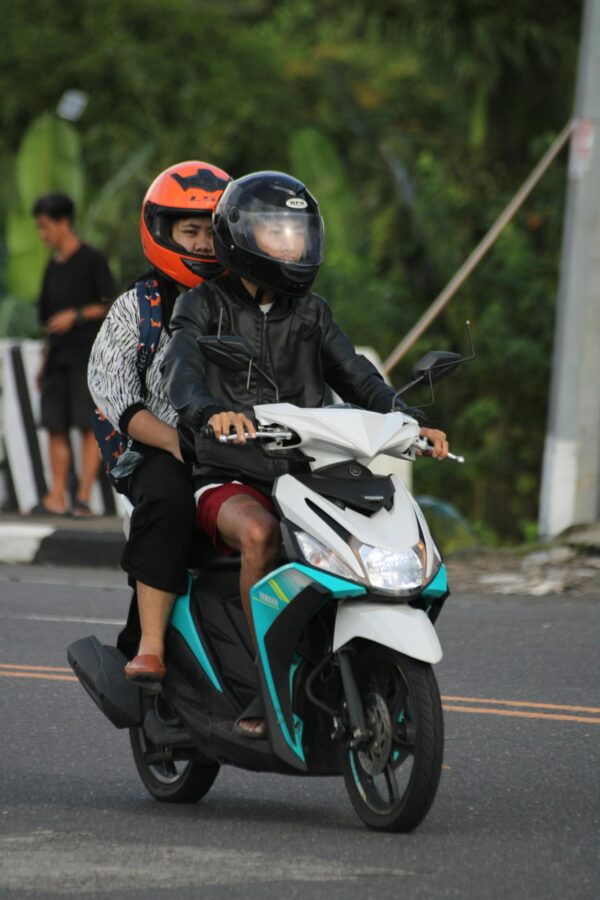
x,y
210,502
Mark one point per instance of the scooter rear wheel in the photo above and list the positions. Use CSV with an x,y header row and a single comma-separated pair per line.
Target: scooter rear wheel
x,y
393,778
171,781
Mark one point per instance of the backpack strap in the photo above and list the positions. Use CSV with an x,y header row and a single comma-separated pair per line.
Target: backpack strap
x,y
151,323
111,442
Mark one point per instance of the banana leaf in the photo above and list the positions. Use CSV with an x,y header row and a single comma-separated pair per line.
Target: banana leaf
x,y
315,161
26,255
106,210
49,159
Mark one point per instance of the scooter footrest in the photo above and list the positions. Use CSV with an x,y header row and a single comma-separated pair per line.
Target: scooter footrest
x,y
164,735
99,668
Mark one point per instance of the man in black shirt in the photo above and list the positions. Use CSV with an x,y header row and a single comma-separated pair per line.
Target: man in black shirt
x,y
76,292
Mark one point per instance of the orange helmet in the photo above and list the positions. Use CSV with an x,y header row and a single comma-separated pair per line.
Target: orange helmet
x,y
186,189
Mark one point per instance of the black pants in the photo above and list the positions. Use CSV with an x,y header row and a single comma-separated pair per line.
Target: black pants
x,y
163,524
162,535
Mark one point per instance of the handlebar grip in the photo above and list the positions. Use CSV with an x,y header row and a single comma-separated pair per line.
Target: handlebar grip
x,y
207,431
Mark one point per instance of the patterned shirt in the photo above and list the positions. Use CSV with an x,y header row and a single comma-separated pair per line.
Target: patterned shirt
x,y
113,378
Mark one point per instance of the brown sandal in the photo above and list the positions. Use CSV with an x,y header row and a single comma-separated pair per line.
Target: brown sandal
x,y
145,669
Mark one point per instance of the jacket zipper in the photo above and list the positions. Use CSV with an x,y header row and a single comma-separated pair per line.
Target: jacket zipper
x,y
263,355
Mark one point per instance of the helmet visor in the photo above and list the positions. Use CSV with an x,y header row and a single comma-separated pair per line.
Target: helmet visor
x,y
293,237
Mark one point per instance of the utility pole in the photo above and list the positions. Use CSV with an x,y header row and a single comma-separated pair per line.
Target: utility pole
x,y
570,493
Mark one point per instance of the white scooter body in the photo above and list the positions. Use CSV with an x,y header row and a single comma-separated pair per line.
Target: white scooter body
x,y
334,435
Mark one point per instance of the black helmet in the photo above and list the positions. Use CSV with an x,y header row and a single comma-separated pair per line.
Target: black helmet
x,y
267,228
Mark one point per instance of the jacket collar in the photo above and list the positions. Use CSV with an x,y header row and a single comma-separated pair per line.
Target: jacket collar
x,y
281,305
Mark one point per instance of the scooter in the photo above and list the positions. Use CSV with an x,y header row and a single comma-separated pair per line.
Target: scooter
x,y
344,628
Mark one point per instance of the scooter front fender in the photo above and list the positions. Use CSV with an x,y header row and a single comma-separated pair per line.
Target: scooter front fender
x,y
394,625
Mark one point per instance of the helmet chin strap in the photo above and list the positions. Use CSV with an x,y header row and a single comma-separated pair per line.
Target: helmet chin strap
x,y
260,293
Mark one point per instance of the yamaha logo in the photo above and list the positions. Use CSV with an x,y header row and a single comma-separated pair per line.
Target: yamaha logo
x,y
296,203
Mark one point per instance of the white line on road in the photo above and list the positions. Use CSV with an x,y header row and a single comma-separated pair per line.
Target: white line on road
x,y
60,576
34,618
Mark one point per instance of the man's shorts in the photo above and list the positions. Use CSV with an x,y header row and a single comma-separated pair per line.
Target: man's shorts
x,y
65,402
210,500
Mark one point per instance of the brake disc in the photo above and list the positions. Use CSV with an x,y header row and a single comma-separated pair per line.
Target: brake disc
x,y
375,755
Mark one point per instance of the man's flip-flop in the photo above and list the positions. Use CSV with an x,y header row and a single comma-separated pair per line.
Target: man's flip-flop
x,y
254,711
81,510
40,510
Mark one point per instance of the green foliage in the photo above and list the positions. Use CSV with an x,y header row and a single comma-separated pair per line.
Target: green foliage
x,y
315,160
49,158
412,121
348,278
50,153
26,255
18,319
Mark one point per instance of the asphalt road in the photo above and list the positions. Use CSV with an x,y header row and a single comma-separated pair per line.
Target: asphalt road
x,y
517,813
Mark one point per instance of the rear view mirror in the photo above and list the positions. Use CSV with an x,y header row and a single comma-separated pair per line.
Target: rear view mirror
x,y
230,352
435,365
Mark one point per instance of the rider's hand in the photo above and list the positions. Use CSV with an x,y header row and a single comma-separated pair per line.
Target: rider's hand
x,y
440,446
221,423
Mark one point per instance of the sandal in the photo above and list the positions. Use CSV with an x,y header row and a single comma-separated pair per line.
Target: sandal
x,y
81,509
254,712
41,510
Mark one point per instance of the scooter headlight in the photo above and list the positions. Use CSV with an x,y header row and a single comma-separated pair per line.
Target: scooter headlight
x,y
322,557
399,572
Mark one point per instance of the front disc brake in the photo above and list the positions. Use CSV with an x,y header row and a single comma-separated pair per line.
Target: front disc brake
x,y
375,755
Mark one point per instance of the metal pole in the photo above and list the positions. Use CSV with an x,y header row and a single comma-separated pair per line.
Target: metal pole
x,y
479,252
570,491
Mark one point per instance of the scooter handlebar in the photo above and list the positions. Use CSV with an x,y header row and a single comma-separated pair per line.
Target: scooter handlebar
x,y
275,434
425,445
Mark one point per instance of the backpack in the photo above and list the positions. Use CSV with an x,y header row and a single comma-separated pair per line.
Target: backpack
x,y
111,442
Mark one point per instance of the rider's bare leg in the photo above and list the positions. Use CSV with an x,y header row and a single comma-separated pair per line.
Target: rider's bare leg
x,y
246,526
155,608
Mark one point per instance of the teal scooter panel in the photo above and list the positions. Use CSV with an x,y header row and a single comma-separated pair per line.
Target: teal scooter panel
x,y
181,619
438,586
269,597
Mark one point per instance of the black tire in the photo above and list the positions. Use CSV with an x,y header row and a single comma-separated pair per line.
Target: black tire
x,y
392,780
181,781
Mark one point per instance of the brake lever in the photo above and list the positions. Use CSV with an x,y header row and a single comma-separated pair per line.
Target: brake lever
x,y
425,445
282,435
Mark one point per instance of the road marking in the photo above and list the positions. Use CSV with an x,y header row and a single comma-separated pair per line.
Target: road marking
x,y
18,670
45,676
78,619
480,710
589,709
47,673
36,668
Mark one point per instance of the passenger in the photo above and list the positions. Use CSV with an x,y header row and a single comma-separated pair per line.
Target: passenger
x,y
177,237
269,236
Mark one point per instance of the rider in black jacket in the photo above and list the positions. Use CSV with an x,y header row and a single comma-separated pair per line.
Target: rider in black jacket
x,y
296,344
269,236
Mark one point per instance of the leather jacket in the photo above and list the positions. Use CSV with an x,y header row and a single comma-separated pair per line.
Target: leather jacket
x,y
297,344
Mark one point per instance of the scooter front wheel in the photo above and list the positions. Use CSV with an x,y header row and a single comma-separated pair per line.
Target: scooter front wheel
x,y
392,778
171,780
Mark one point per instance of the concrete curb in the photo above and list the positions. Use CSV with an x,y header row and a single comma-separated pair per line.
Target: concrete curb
x,y
64,543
